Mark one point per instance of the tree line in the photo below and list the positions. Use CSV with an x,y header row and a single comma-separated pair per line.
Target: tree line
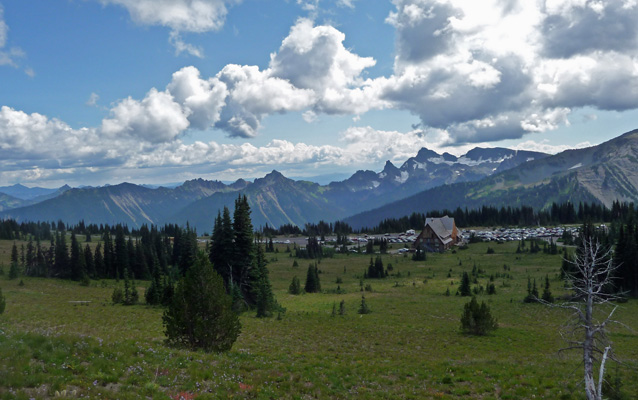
x,y
564,213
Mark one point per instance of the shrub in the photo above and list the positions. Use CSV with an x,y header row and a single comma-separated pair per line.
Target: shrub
x,y
201,314
477,320
117,296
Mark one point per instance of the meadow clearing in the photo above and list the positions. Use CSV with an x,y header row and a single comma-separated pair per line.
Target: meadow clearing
x,y
409,347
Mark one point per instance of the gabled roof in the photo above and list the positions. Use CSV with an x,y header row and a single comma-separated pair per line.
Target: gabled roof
x,y
438,227
448,223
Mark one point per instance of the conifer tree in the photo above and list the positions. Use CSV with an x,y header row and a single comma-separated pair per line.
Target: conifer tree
x,y
477,320
41,264
30,261
243,249
168,291
222,248
363,307
153,294
109,269
265,299
77,260
61,256
121,261
14,269
295,286
127,288
186,249
89,262
547,294
98,260
200,316
465,289
312,280
135,297
370,247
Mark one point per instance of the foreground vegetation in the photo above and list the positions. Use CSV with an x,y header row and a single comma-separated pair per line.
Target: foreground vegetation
x,y
409,346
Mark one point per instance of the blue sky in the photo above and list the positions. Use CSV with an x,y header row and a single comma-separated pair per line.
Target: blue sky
x,y
157,91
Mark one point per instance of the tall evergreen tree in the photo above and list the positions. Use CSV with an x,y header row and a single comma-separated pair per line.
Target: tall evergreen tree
x,y
30,262
121,261
547,294
14,269
62,264
312,280
465,289
109,262
265,299
41,264
98,260
243,250
77,270
89,262
187,249
222,248
153,294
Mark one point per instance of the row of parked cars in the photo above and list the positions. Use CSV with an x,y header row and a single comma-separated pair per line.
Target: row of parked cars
x,y
516,234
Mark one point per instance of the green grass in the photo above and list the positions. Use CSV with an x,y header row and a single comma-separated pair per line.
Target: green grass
x,y
410,345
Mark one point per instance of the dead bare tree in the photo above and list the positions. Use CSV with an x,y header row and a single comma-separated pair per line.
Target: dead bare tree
x,y
591,279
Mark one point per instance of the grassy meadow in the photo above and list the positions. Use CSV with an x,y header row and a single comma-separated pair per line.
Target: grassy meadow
x,y
409,347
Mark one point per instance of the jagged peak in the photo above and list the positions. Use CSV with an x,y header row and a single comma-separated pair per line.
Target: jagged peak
x,y
388,167
424,154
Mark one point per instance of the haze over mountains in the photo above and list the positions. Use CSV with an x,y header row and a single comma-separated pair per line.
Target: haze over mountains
x,y
428,181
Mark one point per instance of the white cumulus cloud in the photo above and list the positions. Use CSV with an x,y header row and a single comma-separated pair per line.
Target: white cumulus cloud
x,y
156,118
493,70
196,16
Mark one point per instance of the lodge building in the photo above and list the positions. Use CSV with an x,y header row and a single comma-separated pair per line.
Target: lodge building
x,y
439,234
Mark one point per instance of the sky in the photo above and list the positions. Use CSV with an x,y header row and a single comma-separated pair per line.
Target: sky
x,y
96,92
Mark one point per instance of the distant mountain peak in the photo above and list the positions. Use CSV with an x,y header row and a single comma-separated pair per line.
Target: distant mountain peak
x,y
449,157
389,167
239,184
424,154
274,173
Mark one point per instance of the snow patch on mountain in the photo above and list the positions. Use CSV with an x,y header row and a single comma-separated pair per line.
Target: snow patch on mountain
x,y
468,161
440,160
404,177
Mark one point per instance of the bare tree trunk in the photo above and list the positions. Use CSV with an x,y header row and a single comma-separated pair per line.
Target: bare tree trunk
x,y
588,343
590,384
594,271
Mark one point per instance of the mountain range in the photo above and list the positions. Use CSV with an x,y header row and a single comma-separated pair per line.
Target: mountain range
x,y
428,181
